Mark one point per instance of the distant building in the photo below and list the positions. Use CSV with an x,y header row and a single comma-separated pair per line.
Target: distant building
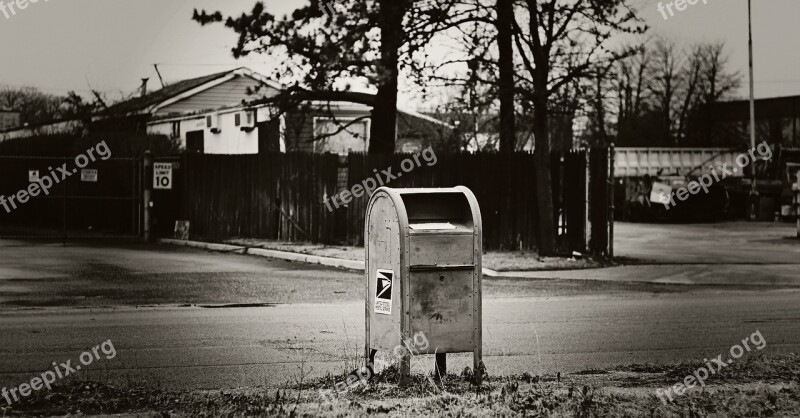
x,y
214,115
727,124
9,119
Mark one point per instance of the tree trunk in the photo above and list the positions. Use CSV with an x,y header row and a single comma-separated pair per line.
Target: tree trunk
x,y
383,130
544,184
505,16
600,112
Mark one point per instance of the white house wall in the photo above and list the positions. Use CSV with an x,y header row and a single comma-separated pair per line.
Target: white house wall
x,y
230,140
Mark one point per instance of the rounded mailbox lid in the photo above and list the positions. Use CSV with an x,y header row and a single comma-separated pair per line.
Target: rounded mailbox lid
x,y
452,210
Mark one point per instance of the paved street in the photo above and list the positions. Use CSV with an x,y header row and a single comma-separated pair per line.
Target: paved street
x,y
724,254
218,348
186,318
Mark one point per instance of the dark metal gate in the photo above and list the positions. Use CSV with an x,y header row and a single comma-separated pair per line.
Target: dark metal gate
x,y
69,198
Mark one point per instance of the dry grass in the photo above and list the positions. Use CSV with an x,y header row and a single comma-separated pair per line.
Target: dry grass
x,y
758,387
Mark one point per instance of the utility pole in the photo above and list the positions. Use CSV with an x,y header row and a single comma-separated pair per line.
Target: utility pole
x,y
754,189
752,94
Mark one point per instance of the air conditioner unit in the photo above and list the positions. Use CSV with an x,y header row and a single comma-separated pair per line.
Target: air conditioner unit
x,y
248,120
212,123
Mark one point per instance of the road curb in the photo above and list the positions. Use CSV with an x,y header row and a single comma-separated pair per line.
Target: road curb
x,y
290,256
276,254
492,273
307,258
205,245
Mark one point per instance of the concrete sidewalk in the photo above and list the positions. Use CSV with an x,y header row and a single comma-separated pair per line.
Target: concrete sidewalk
x,y
357,265
276,254
733,253
495,263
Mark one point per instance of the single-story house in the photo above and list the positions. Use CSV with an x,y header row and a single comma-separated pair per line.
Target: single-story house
x,y
214,114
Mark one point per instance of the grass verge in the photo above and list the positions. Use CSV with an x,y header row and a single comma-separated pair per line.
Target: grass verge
x,y
757,386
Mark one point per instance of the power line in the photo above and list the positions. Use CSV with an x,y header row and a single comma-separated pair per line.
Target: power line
x,y
205,64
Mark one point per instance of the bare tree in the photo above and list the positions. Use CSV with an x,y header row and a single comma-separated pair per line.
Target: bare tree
x,y
34,106
329,42
560,42
716,80
690,80
664,76
505,46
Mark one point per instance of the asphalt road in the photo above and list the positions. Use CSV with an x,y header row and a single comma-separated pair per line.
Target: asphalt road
x,y
307,321
224,348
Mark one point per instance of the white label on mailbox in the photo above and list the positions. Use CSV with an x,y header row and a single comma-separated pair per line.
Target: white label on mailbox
x,y
383,291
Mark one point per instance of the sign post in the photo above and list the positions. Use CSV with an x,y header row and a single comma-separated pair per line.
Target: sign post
x,y
146,196
797,202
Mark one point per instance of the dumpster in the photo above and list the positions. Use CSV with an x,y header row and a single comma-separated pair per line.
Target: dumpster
x,y
423,274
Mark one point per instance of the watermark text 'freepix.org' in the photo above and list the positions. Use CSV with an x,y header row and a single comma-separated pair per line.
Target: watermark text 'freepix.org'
x,y
56,175
11,7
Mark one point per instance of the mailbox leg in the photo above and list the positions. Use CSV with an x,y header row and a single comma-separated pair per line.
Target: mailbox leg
x,y
371,359
478,367
441,364
405,370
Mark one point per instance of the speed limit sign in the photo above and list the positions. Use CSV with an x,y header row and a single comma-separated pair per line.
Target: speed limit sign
x,y
162,176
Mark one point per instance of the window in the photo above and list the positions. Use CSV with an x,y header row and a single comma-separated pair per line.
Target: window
x,y
176,130
340,136
237,119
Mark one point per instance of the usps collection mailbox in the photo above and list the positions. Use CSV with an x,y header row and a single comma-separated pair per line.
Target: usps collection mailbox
x,y
423,273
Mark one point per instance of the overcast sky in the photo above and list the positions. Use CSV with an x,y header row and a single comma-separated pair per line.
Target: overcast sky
x,y
63,45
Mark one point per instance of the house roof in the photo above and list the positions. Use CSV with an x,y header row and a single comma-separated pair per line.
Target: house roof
x,y
182,89
142,103
416,125
425,117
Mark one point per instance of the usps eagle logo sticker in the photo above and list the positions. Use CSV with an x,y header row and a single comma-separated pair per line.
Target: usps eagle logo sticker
x,y
384,279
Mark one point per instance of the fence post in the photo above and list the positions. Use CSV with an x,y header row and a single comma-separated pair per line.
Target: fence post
x,y
587,196
611,183
797,202
147,195
64,233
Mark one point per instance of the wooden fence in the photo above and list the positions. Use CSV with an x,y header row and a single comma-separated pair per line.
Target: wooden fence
x,y
282,196
106,203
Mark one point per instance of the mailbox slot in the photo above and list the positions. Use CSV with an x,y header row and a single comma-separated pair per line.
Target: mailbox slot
x,y
438,208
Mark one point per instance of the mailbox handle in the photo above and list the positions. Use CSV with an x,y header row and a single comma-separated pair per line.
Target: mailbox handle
x,y
432,267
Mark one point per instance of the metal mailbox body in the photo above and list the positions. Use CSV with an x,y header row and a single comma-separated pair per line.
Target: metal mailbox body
x,y
423,272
